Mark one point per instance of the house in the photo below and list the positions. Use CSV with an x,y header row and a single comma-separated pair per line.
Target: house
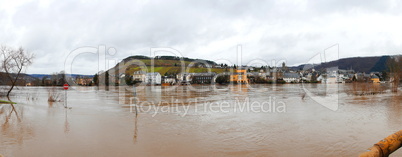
x,y
153,78
264,75
184,78
342,71
310,77
350,76
201,78
240,76
139,76
115,78
341,78
169,80
121,78
322,78
276,74
291,77
331,79
362,77
333,76
83,81
375,79
257,77
252,76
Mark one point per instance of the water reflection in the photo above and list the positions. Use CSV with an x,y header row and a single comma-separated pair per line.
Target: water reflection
x,y
394,111
13,129
66,123
135,129
99,125
153,94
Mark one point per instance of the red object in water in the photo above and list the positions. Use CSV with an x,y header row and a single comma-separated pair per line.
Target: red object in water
x,y
65,86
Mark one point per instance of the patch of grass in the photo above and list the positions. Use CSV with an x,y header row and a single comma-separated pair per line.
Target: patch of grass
x,y
6,102
174,70
218,70
162,70
198,70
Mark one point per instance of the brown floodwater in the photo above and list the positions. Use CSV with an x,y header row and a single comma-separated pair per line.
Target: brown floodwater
x,y
239,120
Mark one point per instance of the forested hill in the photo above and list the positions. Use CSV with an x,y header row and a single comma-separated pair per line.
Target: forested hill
x,y
358,64
166,64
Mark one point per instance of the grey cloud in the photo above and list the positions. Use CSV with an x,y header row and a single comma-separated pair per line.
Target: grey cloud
x,y
291,30
342,6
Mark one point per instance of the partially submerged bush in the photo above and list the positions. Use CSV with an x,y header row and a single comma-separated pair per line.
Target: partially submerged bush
x,y
54,94
361,89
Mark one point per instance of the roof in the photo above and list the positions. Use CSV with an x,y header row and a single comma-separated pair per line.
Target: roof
x,y
291,75
139,72
236,73
204,74
184,73
277,70
155,73
242,68
253,73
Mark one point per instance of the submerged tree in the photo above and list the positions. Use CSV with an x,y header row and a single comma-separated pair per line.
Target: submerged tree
x,y
107,78
13,62
395,69
222,79
95,79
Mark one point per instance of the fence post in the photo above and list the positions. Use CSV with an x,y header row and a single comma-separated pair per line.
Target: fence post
x,y
385,147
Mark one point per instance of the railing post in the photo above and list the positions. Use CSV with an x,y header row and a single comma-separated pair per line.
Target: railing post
x,y
385,147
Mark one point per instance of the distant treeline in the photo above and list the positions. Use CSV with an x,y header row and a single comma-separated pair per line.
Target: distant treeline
x,y
358,64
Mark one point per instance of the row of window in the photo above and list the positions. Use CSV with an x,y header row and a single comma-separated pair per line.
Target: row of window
x,y
203,78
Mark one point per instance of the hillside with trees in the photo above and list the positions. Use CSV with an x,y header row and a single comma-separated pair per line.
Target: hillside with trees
x,y
358,64
167,65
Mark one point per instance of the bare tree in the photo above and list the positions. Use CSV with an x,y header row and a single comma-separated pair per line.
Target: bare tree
x,y
13,62
395,69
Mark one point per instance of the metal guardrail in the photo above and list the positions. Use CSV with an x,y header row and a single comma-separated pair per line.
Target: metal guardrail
x,y
385,147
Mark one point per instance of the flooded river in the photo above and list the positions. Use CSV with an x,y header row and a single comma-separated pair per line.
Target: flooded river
x,y
239,120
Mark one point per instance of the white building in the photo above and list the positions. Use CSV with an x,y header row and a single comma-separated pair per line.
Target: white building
x,y
291,77
322,78
184,77
153,78
169,80
335,77
331,79
139,76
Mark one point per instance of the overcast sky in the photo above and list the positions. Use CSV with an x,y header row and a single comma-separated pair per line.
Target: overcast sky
x,y
294,31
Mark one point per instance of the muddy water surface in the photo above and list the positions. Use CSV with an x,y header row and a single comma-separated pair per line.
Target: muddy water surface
x,y
263,120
